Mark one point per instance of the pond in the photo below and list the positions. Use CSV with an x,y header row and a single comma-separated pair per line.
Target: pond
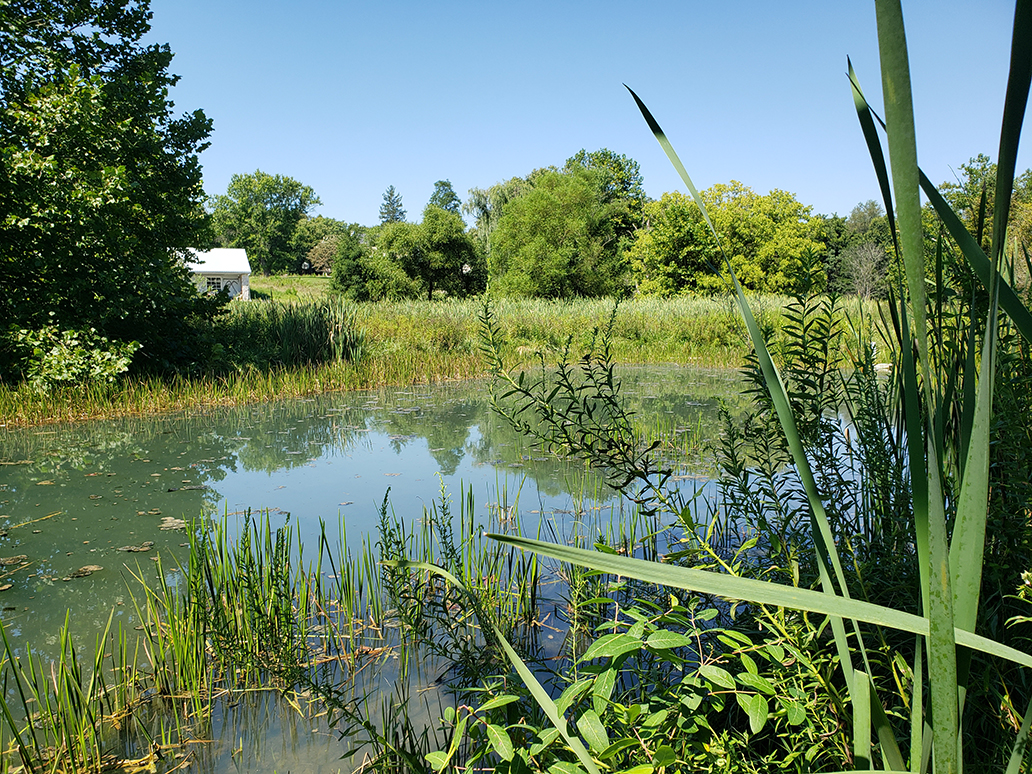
x,y
83,506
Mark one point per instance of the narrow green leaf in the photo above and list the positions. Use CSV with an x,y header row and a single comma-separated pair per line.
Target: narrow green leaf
x,y
498,701
1018,81
978,261
899,119
757,592
617,747
824,543
526,675
1021,743
862,723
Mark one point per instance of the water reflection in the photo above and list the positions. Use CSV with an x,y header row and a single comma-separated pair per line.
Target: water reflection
x,y
117,494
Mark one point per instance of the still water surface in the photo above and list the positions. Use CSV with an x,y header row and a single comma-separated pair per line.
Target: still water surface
x,y
114,494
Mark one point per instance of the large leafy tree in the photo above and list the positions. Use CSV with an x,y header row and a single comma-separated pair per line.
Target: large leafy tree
x,y
559,240
100,188
444,196
766,239
262,213
438,253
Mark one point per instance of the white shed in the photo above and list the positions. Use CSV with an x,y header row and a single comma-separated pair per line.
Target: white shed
x,y
223,267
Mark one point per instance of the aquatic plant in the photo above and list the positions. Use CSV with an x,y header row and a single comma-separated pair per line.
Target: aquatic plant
x,y
944,406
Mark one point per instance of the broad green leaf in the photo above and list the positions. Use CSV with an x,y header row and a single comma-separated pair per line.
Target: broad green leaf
x,y
437,760
611,645
794,711
665,756
756,682
603,689
667,640
591,728
758,711
500,741
718,675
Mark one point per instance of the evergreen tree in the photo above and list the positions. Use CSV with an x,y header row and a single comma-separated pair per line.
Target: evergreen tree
x,y
391,210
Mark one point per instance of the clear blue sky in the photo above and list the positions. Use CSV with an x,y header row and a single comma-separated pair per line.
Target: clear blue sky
x,y
350,97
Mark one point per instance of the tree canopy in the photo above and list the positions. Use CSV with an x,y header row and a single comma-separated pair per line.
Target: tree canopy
x,y
558,240
100,187
261,213
765,238
444,196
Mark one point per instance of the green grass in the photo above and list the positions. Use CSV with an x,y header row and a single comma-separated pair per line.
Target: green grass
x,y
289,287
404,343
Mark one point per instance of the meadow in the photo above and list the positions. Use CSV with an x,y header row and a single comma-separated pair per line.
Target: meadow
x,y
301,341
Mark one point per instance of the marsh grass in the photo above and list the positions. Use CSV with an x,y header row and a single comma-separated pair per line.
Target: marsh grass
x,y
250,611
274,350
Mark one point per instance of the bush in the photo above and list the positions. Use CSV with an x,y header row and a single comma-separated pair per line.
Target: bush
x,y
50,358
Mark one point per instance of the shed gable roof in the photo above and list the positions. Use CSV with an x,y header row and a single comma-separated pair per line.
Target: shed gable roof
x,y
221,260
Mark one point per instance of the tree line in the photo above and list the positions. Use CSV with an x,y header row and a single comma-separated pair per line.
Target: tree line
x,y
585,229
101,196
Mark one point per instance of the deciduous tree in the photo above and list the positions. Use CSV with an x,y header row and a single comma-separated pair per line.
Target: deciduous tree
x,y
261,213
444,196
100,188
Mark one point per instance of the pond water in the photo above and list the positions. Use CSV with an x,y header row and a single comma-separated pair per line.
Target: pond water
x,y
85,505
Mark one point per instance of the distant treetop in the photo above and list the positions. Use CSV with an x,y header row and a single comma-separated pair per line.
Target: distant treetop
x,y
391,210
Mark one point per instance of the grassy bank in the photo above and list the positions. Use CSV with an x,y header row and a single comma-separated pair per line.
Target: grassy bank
x,y
413,342
407,342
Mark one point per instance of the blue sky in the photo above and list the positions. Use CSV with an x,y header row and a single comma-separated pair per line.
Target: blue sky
x,y
350,98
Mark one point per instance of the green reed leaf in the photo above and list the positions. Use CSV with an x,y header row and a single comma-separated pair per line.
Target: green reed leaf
x,y
824,542
1018,81
756,592
899,119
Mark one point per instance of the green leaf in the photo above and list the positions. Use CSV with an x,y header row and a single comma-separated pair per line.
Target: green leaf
x,y
718,676
757,592
564,767
617,747
756,682
500,741
667,640
437,760
758,711
611,645
591,728
665,756
794,711
498,701
572,693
